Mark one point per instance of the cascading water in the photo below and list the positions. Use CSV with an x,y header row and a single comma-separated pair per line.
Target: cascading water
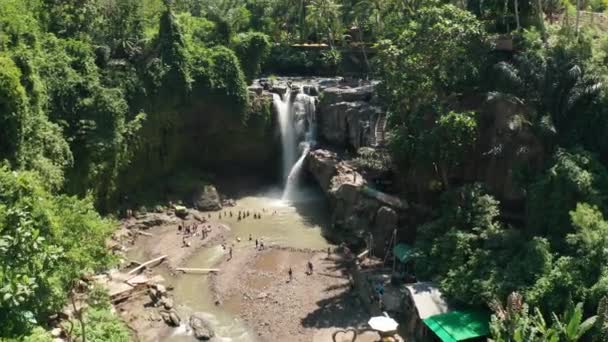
x,y
297,121
288,137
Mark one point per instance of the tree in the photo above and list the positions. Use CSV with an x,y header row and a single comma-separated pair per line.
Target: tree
x,y
453,136
173,54
252,48
325,15
46,241
576,176
438,53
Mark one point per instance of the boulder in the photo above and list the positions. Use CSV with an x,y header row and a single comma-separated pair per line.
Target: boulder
x,y
170,317
207,199
322,165
201,328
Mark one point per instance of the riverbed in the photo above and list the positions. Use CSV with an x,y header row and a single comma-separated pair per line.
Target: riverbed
x,y
292,233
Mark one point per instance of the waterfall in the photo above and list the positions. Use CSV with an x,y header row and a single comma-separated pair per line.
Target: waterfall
x,y
297,121
292,179
288,137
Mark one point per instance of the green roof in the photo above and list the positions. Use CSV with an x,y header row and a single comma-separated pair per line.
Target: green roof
x,y
457,326
403,252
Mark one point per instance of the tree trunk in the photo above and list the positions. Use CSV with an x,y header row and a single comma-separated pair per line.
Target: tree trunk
x,y
362,42
516,7
541,20
301,21
578,16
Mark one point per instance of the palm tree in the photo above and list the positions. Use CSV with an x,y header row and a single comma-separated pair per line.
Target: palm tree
x,y
556,86
325,15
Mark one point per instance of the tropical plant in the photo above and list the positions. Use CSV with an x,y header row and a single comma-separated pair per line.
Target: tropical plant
x,y
324,16
513,322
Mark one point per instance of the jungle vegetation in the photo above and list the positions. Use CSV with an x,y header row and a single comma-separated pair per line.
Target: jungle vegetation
x,y
91,91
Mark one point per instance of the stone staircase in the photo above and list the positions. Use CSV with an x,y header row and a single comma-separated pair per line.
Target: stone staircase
x,y
380,131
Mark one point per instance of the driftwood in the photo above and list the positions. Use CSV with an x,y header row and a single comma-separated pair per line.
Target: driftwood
x,y
161,258
197,270
143,233
363,254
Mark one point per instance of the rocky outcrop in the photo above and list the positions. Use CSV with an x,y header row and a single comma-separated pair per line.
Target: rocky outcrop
x,y
348,117
207,199
357,208
348,93
348,124
347,113
201,328
507,142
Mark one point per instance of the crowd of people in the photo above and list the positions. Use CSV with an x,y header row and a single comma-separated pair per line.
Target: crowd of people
x,y
203,228
193,230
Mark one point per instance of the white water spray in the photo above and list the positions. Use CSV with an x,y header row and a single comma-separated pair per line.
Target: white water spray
x,y
294,175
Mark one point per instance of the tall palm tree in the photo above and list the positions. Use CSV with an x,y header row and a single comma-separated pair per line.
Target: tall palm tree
x,y
325,15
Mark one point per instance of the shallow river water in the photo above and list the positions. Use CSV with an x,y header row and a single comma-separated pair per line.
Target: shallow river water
x,y
297,224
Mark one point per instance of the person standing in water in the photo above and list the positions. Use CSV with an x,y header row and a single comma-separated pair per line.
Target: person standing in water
x,y
310,268
290,274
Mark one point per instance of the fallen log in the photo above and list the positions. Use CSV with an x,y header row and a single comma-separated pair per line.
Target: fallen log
x,y
143,233
161,258
363,254
197,270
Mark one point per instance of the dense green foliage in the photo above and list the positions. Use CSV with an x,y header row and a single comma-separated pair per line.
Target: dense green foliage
x,y
46,241
515,322
92,92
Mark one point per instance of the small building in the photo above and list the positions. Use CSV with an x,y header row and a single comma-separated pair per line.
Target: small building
x,y
429,317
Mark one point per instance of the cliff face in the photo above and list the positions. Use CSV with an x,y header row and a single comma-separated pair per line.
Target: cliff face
x,y
357,209
348,116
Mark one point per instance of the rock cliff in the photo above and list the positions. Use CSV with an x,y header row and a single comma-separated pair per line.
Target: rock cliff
x,y
357,208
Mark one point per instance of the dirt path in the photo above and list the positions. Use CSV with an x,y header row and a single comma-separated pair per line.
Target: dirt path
x,y
256,286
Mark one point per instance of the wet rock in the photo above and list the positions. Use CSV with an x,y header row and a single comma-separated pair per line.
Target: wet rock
x,y
310,90
201,328
256,89
322,165
170,317
207,199
167,303
279,89
339,94
348,124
